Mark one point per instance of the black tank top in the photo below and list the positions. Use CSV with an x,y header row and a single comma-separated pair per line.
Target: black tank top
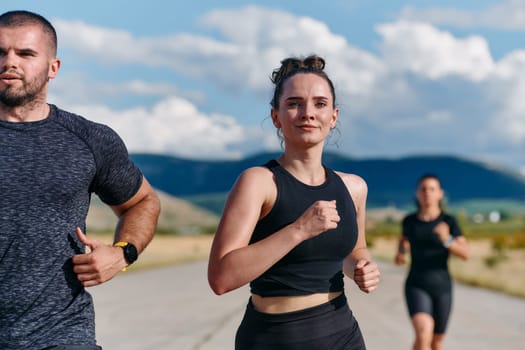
x,y
429,259
315,265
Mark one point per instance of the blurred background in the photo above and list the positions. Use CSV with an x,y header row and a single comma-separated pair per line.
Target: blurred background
x,y
422,86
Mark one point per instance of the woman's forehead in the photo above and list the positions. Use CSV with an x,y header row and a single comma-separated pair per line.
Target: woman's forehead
x,y
428,182
306,83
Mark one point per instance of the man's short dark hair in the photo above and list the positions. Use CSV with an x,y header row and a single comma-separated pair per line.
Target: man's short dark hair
x,y
21,18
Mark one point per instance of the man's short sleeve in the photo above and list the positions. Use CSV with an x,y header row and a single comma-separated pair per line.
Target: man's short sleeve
x,y
117,178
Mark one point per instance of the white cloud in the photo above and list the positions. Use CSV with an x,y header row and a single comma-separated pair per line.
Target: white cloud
x,y
510,120
264,37
506,89
87,88
426,91
256,39
508,14
174,126
420,48
440,94
180,52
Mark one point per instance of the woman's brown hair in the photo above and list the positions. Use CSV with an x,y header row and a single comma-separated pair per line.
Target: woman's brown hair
x,y
292,66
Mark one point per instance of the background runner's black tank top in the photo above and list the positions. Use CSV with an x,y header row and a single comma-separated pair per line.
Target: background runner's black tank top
x,y
315,265
429,259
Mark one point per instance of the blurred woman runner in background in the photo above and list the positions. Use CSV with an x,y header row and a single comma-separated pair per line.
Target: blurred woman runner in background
x,y
431,235
291,228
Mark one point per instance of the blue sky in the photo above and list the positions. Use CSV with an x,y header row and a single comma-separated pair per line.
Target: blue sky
x,y
191,79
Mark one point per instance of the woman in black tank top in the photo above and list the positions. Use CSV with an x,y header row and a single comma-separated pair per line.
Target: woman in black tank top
x,y
431,236
292,228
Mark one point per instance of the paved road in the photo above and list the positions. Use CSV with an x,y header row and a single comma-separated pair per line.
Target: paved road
x,y
173,308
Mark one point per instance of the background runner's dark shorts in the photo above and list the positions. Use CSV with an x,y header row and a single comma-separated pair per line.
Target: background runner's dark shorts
x,y
436,304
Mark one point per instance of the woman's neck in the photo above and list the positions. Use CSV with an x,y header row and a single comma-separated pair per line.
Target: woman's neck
x,y
306,168
429,214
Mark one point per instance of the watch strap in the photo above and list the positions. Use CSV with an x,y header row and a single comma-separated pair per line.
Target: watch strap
x,y
122,245
449,241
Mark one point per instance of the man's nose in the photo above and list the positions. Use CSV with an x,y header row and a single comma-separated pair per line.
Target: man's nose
x,y
9,60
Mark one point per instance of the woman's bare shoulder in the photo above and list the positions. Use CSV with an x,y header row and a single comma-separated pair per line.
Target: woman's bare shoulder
x,y
256,173
257,178
354,182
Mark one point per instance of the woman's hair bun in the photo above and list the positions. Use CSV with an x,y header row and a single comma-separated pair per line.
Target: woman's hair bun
x,y
291,65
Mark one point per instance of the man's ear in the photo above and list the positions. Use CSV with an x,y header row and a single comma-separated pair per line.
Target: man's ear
x,y
54,67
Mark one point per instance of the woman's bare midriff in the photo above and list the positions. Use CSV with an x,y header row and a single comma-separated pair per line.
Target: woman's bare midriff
x,y
279,305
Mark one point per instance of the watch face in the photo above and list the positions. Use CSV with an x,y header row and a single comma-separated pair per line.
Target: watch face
x,y
130,253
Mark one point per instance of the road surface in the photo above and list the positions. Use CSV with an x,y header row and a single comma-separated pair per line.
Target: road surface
x,y
173,308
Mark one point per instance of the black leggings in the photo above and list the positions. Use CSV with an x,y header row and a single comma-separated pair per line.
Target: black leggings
x,y
327,326
437,305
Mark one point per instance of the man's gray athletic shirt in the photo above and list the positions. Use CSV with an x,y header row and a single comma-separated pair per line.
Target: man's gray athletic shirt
x,y
48,170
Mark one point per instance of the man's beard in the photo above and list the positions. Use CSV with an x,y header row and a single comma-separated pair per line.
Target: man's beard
x,y
13,96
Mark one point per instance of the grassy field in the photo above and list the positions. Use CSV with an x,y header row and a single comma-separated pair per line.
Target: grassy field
x,y
497,249
503,271
496,262
488,267
497,252
168,249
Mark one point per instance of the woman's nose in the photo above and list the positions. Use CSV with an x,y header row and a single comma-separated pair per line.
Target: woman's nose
x,y
308,111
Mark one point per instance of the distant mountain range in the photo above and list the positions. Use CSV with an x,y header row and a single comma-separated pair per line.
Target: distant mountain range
x,y
391,182
177,215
